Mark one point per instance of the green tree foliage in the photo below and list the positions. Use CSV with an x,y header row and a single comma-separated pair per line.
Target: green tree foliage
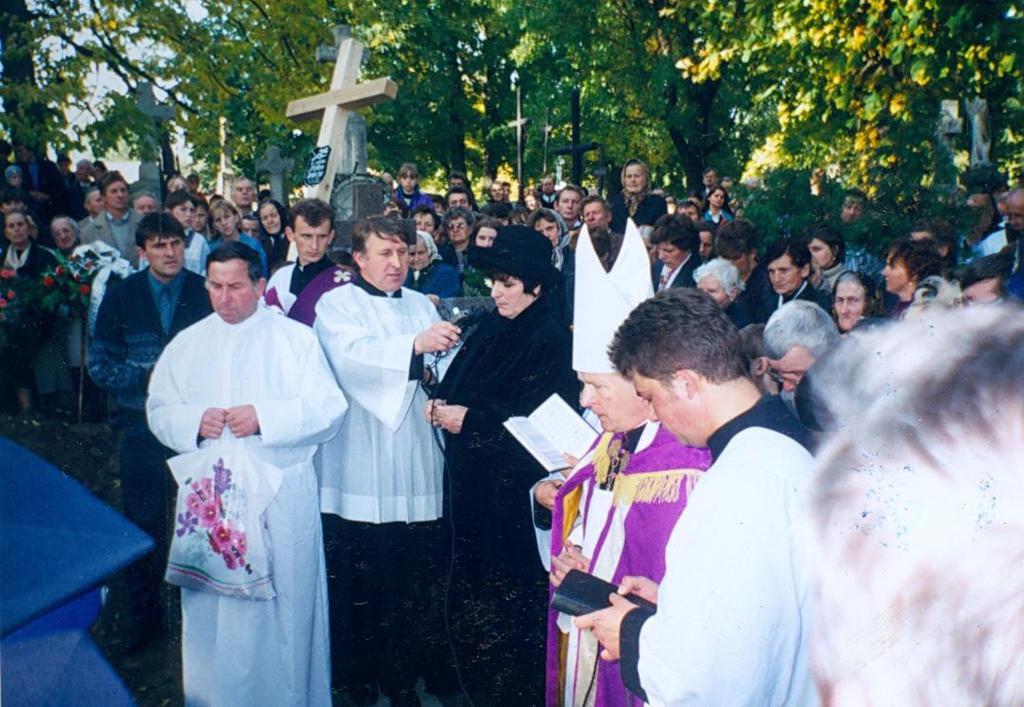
x,y
852,85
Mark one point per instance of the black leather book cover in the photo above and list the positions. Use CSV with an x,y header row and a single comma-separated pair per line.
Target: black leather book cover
x,y
581,593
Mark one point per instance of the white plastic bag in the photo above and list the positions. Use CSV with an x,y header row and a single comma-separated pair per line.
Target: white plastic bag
x,y
218,543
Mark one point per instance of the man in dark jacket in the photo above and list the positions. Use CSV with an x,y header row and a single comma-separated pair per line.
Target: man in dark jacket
x,y
44,184
789,270
137,319
737,241
677,242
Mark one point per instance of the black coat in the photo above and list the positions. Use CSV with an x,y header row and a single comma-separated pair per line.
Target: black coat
x,y
758,297
685,276
506,368
809,294
650,210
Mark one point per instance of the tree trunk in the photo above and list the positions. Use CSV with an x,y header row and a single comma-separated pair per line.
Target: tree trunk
x,y
456,122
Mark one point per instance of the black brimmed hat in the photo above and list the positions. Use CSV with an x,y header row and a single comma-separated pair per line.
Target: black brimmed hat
x,y
517,251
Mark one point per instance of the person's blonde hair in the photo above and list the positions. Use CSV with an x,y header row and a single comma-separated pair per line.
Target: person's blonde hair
x,y
916,513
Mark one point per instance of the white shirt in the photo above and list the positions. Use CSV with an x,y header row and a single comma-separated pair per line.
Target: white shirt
x,y
386,464
732,608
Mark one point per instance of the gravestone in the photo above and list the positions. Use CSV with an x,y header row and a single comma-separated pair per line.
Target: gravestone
x,y
149,169
277,168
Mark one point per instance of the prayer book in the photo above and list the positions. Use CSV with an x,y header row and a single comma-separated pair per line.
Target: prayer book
x,y
581,593
552,431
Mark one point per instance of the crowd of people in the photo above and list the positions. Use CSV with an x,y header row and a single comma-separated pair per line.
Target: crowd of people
x,y
802,457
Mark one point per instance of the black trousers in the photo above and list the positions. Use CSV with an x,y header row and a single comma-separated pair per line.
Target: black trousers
x,y
147,496
384,585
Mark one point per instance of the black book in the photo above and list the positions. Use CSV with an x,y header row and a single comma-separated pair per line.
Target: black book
x,y
581,593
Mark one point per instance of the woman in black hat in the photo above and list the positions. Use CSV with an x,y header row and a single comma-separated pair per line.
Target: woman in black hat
x,y
517,358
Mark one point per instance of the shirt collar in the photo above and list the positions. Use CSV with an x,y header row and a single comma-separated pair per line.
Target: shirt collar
x,y
174,285
118,221
770,413
374,291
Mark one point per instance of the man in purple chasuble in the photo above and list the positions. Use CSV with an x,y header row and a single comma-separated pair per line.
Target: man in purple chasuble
x,y
613,516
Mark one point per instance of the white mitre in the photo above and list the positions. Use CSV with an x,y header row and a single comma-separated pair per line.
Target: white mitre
x,y
603,300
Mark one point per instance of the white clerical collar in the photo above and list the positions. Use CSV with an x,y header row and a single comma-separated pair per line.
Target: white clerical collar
x,y
783,300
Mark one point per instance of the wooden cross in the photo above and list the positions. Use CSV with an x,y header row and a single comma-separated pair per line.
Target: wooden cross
x,y
334,106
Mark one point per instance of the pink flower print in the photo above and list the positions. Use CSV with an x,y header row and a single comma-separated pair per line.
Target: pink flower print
x,y
194,504
209,514
239,541
220,537
203,488
229,560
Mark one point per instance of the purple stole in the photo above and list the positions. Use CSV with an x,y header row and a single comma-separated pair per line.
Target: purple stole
x,y
304,309
654,484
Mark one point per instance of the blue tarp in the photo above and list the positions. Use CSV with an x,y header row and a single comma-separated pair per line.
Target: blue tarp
x,y
58,543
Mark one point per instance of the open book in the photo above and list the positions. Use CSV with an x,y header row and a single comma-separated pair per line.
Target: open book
x,y
551,431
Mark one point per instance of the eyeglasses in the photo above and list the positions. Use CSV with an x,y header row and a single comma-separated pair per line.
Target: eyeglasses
x,y
457,226
776,377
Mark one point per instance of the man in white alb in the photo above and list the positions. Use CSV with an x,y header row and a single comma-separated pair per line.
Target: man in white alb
x,y
247,372
381,478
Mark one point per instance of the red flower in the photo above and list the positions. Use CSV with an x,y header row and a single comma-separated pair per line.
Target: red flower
x,y
59,271
7,273
11,294
84,289
3,303
48,281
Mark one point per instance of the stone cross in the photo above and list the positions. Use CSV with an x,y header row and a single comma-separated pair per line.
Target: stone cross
x,y
149,169
333,108
277,167
981,138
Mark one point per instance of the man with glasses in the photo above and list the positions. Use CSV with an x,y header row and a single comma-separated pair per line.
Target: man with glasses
x,y
797,335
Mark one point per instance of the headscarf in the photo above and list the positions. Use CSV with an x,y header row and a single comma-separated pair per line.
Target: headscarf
x,y
426,240
13,171
633,201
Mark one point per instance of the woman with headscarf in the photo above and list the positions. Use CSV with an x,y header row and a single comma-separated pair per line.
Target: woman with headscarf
x,y
518,357
273,218
427,273
635,201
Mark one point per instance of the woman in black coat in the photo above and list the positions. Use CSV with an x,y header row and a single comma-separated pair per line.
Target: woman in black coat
x,y
635,201
517,358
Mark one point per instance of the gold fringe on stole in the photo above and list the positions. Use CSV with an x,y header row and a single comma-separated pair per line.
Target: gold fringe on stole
x,y
570,511
601,460
654,486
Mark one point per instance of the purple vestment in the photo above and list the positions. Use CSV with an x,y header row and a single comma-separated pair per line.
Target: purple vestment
x,y
655,500
304,309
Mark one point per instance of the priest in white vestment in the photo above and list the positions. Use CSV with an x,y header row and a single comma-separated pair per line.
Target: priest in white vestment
x,y
311,232
382,476
247,372
732,614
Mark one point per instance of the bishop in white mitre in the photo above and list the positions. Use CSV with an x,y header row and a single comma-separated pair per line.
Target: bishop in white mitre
x,y
263,378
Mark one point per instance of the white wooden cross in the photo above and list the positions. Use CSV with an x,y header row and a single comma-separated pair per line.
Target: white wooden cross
x,y
333,107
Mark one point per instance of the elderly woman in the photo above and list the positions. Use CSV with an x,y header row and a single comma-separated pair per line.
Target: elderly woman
x,y
26,336
854,300
64,232
517,358
636,201
721,280
427,274
273,217
907,264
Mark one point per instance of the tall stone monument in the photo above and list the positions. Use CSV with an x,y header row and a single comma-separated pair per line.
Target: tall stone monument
x,y
149,169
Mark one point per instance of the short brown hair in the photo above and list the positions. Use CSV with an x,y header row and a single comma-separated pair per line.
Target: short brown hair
x,y
109,179
382,227
681,328
312,211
